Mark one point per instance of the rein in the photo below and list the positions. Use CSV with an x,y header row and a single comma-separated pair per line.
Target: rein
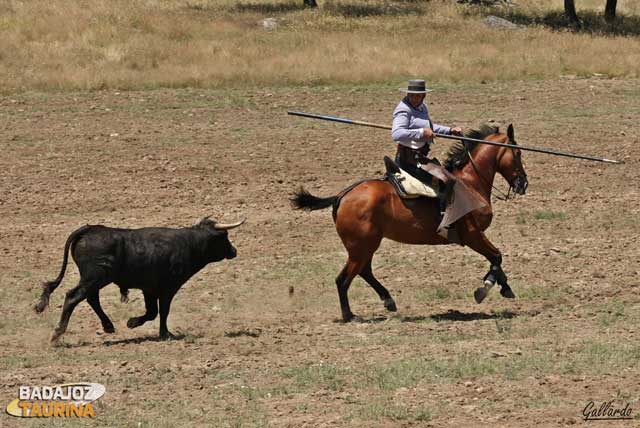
x,y
503,196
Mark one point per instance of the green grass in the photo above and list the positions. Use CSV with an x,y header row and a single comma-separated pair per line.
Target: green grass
x,y
388,409
549,215
322,375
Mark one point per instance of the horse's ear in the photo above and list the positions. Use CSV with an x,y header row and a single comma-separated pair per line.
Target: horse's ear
x,y
510,133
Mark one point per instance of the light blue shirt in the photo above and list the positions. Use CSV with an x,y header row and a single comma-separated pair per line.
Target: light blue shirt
x,y
409,123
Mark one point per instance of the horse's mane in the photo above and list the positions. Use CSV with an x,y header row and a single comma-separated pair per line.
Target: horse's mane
x,y
458,154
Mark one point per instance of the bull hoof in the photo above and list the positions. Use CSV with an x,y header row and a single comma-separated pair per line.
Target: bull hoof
x,y
390,305
55,336
506,292
480,294
109,328
134,322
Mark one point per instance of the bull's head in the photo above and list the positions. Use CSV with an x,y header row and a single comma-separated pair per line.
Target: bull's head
x,y
219,245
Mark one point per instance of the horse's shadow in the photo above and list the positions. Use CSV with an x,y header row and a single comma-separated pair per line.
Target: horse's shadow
x,y
138,340
453,315
450,315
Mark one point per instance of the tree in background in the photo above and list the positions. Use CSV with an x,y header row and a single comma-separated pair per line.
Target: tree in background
x,y
610,10
570,12
572,16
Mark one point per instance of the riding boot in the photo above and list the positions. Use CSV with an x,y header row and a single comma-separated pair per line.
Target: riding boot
x,y
444,194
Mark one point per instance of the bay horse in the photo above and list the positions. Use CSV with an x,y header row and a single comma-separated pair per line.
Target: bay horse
x,y
370,210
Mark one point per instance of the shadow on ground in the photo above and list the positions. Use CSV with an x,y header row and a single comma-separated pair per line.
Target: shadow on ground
x,y
141,340
590,22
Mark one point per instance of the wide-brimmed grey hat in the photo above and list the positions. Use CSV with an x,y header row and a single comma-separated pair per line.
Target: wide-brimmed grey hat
x,y
416,86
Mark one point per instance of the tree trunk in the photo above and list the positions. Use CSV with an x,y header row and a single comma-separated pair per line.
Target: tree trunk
x,y
310,3
570,12
610,10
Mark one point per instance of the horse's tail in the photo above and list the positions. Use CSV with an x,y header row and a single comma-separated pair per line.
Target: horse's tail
x,y
304,200
49,286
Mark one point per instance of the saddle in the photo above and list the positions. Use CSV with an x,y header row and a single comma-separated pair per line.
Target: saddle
x,y
452,208
406,185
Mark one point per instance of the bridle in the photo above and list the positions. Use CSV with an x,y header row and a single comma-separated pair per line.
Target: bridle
x,y
521,176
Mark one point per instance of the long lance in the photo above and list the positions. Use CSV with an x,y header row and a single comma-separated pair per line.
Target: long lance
x,y
455,137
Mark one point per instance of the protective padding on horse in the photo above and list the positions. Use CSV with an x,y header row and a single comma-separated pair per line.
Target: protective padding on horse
x,y
413,187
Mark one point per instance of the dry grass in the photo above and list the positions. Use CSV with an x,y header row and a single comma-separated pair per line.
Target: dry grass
x,y
62,45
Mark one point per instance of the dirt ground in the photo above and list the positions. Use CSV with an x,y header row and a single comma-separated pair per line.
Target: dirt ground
x,y
252,354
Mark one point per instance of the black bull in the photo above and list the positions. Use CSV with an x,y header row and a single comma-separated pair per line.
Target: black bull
x,y
156,260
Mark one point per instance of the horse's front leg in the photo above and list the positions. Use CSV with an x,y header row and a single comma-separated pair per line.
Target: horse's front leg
x,y
473,237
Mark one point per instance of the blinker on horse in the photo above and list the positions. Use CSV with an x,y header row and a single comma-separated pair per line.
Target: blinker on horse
x,y
370,210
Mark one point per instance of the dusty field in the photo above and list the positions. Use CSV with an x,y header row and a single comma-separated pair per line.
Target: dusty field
x,y
254,356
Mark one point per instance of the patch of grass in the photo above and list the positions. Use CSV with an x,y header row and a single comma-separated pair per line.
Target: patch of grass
x,y
388,409
614,312
369,9
409,372
552,291
503,327
549,215
316,376
384,410
209,44
269,8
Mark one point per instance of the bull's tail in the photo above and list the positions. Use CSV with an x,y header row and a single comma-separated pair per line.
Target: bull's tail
x,y
306,201
49,286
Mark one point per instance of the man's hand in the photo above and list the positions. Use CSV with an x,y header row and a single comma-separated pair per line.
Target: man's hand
x,y
427,133
456,131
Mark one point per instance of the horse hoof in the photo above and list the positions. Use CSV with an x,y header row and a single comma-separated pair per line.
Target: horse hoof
x,y
480,294
348,317
506,292
134,322
390,305
165,337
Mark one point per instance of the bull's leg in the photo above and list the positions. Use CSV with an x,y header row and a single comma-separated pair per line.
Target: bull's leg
x,y
383,293
151,304
94,302
72,298
92,279
165,305
475,239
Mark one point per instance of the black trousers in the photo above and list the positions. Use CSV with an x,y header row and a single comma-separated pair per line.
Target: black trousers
x,y
416,172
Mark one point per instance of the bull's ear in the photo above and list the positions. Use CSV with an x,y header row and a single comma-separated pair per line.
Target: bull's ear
x,y
510,133
204,219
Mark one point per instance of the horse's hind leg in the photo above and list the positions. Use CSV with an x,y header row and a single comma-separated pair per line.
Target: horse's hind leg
x,y
475,239
343,281
383,293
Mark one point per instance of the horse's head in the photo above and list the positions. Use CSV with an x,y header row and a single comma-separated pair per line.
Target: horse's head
x,y
510,165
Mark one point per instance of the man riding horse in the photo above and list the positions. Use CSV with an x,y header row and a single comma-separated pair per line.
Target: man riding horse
x,y
413,132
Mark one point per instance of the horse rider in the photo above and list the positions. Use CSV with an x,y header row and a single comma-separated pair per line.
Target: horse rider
x,y
413,131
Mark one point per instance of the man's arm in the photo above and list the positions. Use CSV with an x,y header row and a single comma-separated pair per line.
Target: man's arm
x,y
400,131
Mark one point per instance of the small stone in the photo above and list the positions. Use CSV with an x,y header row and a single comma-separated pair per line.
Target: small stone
x,y
269,24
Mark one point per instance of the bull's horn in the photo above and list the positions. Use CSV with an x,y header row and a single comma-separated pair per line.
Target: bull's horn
x,y
225,226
